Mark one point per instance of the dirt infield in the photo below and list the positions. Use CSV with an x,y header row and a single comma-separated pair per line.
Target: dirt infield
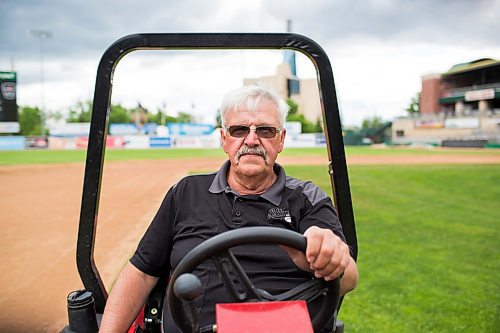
x,y
39,213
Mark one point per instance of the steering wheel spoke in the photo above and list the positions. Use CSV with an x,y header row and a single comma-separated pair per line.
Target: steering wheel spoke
x,y
230,272
307,291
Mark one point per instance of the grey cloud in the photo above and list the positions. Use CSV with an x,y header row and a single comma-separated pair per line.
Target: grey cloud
x,y
86,28
401,21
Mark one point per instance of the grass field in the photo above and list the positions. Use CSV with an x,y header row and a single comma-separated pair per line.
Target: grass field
x,y
429,256
428,235
72,156
75,156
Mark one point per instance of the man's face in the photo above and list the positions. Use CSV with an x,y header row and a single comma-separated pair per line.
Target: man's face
x,y
246,153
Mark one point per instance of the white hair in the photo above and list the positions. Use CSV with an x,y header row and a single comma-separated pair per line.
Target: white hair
x,y
250,97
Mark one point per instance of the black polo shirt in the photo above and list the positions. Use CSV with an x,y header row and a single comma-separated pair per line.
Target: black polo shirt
x,y
201,206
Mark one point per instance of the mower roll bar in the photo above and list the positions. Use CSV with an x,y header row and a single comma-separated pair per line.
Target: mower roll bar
x,y
196,41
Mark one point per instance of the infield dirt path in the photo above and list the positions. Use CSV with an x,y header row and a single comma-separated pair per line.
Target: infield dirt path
x,y
39,212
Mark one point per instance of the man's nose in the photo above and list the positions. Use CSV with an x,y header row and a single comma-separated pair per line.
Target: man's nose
x,y
252,139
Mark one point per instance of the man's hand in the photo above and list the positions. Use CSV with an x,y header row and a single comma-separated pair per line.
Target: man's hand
x,y
327,256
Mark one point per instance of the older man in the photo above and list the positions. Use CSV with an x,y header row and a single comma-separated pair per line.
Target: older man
x,y
250,189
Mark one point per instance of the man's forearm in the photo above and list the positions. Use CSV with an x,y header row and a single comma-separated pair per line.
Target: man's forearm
x,y
126,299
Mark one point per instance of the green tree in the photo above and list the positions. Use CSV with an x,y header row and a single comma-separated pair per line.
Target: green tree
x,y
294,107
158,118
30,120
184,117
80,113
294,115
318,126
218,120
161,118
414,107
373,122
376,129
55,115
119,115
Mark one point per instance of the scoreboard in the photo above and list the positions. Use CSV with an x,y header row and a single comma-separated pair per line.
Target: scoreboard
x,y
8,103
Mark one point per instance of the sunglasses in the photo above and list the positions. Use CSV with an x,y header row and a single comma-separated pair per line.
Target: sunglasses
x,y
264,132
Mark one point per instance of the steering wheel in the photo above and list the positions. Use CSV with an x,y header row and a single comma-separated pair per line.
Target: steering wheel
x,y
218,249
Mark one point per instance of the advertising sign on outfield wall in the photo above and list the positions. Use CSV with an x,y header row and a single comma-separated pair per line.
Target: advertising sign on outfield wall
x,y
111,142
60,142
131,129
305,140
159,142
123,129
200,141
190,129
136,141
11,142
36,142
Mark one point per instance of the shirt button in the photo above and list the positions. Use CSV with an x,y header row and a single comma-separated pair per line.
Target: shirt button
x,y
238,213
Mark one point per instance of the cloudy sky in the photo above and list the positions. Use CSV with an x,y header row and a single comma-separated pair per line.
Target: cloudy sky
x,y
378,48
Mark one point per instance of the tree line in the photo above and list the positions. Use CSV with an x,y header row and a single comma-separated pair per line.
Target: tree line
x,y
31,119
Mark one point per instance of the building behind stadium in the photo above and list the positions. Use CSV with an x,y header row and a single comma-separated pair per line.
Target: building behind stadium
x,y
460,107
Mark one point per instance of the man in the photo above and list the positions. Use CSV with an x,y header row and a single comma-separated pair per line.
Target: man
x,y
250,189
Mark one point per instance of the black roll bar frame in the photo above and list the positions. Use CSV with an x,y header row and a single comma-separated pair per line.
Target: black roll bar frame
x,y
201,41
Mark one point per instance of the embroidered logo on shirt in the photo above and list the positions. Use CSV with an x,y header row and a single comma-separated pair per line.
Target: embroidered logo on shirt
x,y
279,214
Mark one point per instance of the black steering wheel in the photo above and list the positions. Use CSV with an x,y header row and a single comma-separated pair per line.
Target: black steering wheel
x,y
218,249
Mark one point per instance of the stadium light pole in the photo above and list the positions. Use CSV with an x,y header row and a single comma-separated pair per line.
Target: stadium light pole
x,y
41,35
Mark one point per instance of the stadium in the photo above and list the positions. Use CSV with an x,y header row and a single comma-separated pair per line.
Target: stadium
x,y
418,199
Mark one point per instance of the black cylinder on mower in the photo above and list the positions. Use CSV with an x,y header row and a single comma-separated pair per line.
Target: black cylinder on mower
x,y
81,313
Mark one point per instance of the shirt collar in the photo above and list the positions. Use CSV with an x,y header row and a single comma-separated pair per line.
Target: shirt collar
x,y
273,194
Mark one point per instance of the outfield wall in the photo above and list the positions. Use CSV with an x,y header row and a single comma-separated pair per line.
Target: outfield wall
x,y
143,141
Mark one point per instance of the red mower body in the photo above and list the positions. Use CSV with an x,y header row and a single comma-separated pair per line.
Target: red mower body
x,y
263,317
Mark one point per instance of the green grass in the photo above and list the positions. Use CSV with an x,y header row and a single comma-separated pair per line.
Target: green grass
x,y
78,156
418,151
391,151
429,257
429,239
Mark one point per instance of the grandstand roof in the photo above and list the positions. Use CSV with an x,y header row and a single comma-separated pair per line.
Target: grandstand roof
x,y
472,65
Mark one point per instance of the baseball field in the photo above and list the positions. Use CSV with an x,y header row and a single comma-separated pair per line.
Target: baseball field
x,y
427,223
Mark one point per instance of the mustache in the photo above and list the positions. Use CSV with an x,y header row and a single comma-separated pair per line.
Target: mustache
x,y
258,150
